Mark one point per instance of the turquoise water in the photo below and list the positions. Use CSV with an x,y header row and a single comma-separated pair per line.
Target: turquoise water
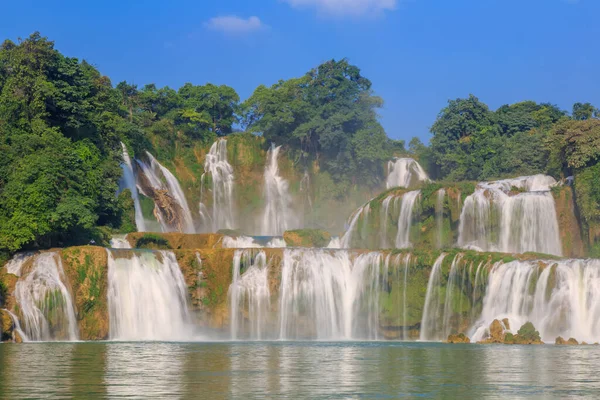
x,y
309,370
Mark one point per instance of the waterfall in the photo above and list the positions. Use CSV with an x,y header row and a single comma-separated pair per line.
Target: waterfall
x,y
248,242
439,217
405,172
346,240
278,216
249,288
147,297
45,305
431,310
328,295
129,181
453,281
406,262
405,219
119,242
16,327
561,299
494,218
384,217
153,173
221,173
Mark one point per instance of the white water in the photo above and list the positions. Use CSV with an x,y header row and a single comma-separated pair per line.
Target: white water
x,y
524,291
153,173
405,172
221,172
494,220
129,180
15,265
439,217
278,216
384,218
431,310
16,327
147,297
249,295
328,295
346,240
45,305
405,219
248,242
120,242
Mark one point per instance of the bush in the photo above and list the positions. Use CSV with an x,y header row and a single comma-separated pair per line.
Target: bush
x,y
152,241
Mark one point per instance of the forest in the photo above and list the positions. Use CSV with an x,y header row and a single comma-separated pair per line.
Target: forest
x,y
62,122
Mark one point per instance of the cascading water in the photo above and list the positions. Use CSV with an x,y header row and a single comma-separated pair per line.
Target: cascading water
x,y
278,215
405,219
561,299
384,217
129,183
221,173
249,289
147,297
405,172
120,242
248,242
346,239
45,305
329,295
153,173
439,217
431,310
494,220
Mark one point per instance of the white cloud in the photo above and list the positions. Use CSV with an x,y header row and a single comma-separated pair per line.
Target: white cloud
x,y
234,25
342,8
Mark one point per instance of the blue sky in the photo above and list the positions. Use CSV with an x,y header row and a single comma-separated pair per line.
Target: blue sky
x,y
417,53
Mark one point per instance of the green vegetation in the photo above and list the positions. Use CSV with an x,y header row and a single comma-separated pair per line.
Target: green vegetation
x,y
61,124
306,238
152,241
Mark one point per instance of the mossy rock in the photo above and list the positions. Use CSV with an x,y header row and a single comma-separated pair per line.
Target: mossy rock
x,y
6,326
460,338
307,238
174,241
86,268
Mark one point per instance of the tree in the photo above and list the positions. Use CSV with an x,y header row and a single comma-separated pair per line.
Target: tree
x,y
329,115
583,111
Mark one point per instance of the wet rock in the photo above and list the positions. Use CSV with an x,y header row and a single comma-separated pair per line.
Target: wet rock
x,y
6,326
506,324
496,333
571,342
459,338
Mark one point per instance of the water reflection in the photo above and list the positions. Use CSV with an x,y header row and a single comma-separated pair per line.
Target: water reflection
x,y
292,370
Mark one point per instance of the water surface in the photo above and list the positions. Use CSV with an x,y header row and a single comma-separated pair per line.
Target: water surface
x,y
297,370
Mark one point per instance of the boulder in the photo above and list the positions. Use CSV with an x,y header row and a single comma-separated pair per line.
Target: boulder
x,y
496,333
570,342
459,338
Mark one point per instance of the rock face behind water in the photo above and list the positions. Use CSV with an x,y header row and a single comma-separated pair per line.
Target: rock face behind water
x,y
459,338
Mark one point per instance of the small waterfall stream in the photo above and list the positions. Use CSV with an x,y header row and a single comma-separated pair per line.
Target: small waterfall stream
x,y
129,182
153,173
405,172
406,218
221,173
278,215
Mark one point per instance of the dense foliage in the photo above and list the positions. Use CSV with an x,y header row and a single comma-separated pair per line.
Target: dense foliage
x,y
329,114
60,126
